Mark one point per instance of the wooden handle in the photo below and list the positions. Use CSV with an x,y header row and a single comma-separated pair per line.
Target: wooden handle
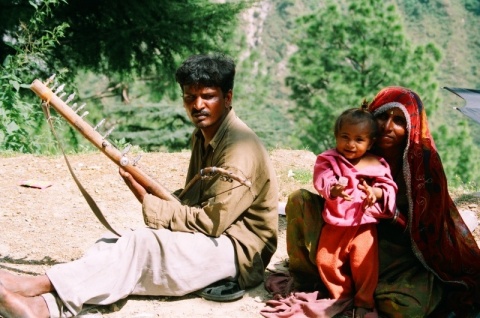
x,y
152,186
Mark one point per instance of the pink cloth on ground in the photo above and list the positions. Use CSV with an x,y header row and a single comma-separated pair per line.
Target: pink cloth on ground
x,y
301,304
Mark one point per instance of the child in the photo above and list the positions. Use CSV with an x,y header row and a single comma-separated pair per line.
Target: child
x,y
358,188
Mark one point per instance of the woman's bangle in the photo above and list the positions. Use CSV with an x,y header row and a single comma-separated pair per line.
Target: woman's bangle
x,y
395,216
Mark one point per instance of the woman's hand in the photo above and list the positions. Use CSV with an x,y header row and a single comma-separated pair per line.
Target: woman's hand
x,y
137,189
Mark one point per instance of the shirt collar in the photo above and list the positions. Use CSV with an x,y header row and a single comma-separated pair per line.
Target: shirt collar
x,y
221,130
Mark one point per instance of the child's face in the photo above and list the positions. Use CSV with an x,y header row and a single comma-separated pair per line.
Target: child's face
x,y
353,140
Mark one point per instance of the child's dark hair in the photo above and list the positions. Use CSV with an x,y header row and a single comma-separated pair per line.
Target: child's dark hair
x,y
355,116
210,70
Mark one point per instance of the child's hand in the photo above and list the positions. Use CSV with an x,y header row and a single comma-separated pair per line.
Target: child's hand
x,y
338,190
369,197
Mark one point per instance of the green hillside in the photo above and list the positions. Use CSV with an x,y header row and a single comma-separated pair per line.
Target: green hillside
x,y
453,26
146,108
268,39
448,24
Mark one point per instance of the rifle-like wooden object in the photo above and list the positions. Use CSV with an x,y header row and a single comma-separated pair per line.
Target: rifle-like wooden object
x,y
51,98
91,134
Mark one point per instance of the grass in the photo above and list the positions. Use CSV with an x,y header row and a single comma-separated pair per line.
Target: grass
x,y
303,176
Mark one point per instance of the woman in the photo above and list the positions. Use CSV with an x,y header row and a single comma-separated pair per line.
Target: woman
x,y
437,254
431,266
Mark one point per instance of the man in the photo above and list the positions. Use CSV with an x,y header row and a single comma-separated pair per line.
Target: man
x,y
221,231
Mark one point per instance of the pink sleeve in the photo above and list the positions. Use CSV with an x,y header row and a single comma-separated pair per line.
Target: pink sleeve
x,y
323,176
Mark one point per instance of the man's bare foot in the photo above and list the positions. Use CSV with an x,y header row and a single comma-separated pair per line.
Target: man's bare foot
x,y
360,312
13,305
25,285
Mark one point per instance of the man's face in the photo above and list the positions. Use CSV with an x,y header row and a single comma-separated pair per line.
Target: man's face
x,y
206,106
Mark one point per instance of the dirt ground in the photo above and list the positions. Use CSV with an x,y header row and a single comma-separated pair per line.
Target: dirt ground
x,y
42,227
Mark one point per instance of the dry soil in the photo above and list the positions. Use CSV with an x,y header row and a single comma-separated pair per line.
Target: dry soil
x,y
42,227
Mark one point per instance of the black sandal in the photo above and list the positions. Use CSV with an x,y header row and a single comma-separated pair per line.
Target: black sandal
x,y
222,291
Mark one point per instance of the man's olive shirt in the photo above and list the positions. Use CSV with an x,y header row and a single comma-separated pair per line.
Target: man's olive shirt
x,y
247,215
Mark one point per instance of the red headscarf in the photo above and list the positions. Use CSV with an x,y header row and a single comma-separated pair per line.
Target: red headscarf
x,y
440,239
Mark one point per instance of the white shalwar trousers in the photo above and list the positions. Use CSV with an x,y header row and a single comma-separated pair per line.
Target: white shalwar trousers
x,y
141,262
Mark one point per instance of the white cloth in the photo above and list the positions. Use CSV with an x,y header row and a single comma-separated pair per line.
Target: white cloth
x,y
141,262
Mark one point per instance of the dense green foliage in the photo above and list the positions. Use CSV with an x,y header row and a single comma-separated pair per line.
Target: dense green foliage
x,y
432,29
19,119
154,126
451,26
141,39
124,37
127,41
300,62
347,54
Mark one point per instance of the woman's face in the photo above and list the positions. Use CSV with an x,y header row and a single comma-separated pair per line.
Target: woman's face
x,y
392,128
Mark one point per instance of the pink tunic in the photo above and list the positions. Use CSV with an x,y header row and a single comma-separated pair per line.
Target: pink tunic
x,y
331,165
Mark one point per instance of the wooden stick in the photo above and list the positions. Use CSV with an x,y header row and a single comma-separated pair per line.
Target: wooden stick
x,y
152,186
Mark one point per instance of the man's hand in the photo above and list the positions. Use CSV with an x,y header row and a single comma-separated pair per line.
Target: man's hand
x,y
137,189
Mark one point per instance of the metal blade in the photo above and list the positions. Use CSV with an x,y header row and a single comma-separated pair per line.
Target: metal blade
x,y
472,102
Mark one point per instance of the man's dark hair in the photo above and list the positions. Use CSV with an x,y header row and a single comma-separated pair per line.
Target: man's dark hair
x,y
355,116
210,70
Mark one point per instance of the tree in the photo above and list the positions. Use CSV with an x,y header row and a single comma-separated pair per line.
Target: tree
x,y
346,52
124,40
459,154
19,118
110,36
142,38
472,6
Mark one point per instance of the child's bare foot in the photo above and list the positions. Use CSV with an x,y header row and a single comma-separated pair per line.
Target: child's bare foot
x,y
360,312
13,305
